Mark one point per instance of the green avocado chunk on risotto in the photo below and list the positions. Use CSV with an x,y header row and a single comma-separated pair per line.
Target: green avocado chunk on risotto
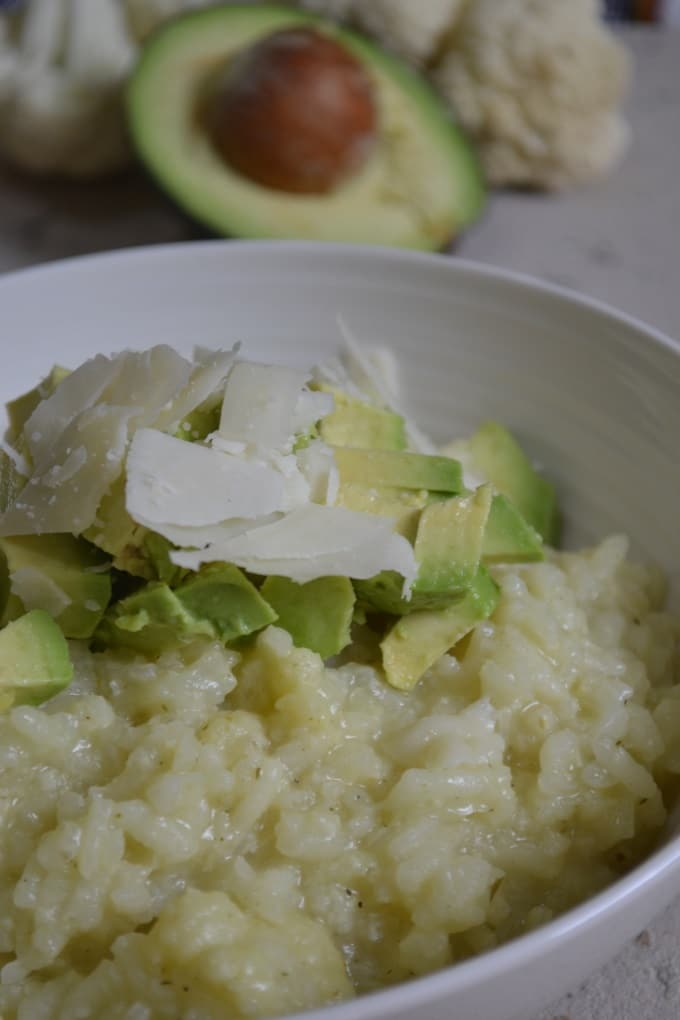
x,y
294,705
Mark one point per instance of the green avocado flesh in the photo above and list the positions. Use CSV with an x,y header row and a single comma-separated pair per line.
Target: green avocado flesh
x,y
58,573
219,602
415,642
417,189
497,455
34,660
353,423
317,615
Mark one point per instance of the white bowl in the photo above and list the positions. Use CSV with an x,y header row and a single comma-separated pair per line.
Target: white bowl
x,y
592,394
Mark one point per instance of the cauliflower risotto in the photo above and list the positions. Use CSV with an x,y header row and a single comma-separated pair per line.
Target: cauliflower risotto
x,y
251,834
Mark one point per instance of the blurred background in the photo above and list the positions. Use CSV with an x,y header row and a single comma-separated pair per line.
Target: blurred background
x,y
571,108
565,163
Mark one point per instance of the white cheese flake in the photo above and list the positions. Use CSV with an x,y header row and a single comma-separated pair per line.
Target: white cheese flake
x,y
101,431
207,382
170,481
259,405
313,541
317,464
77,392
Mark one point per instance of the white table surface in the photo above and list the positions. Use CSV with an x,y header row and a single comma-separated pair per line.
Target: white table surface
x,y
618,241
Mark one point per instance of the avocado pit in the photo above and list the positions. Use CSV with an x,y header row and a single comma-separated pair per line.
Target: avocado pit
x,y
296,113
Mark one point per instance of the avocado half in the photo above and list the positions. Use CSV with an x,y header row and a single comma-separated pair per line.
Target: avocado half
x,y
419,188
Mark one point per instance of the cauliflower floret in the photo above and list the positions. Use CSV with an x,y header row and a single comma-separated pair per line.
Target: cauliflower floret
x,y
60,82
412,30
537,83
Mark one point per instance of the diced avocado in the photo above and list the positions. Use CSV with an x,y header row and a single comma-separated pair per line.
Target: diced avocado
x,y
34,660
318,615
497,456
115,532
222,594
363,426
218,602
399,469
150,621
420,183
447,548
157,551
403,505
508,538
11,482
415,642
21,408
60,574
449,541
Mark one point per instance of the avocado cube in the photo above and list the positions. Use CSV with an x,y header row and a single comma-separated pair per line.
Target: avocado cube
x,y
415,642
508,538
222,594
360,425
447,548
44,569
34,660
497,455
318,615
399,469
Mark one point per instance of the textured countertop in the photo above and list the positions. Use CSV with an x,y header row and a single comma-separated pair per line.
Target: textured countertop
x,y
618,241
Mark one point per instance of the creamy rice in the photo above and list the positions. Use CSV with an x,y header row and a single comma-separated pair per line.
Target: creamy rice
x,y
222,835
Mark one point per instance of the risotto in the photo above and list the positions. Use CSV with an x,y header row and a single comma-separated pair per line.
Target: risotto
x,y
241,834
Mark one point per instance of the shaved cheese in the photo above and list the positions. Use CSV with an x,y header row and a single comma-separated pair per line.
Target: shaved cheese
x,y
38,591
147,381
170,481
317,463
45,505
313,541
187,537
311,407
77,392
207,381
259,405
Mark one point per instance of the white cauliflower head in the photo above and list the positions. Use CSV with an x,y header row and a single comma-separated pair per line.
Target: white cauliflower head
x,y
537,84
61,70
413,30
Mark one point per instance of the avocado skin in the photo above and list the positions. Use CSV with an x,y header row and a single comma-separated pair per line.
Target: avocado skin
x,y
73,565
174,151
218,603
34,660
317,615
415,642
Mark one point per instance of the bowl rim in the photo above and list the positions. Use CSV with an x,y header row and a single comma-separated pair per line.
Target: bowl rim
x,y
510,956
